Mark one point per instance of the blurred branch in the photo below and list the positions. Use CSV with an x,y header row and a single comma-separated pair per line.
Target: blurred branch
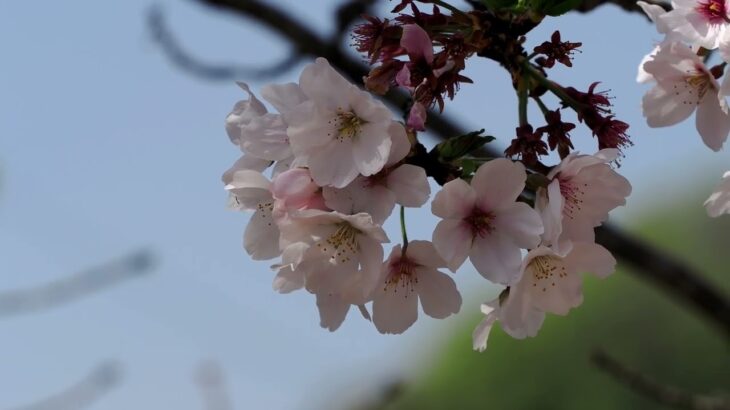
x,y
220,72
665,395
626,5
677,279
84,393
350,11
65,290
211,380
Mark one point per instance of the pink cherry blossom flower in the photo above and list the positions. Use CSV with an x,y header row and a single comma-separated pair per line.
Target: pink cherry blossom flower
x,y
295,189
702,23
483,222
261,133
684,84
408,277
250,190
344,252
584,189
377,194
719,202
340,131
549,283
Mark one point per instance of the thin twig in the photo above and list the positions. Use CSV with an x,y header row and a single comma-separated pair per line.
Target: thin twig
x,y
216,72
68,289
82,394
666,395
677,279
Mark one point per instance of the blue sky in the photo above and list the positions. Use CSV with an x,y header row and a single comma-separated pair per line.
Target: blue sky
x,y
105,148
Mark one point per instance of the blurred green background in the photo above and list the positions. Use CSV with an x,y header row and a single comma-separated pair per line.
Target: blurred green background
x,y
634,322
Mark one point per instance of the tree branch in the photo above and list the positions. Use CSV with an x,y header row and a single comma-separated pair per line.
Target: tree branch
x,y
84,393
65,290
674,277
665,395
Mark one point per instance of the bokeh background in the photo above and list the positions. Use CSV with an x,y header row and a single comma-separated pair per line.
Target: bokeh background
x,y
106,148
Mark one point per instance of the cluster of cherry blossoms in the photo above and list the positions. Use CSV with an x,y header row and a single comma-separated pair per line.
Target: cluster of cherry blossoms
x,y
325,168
683,83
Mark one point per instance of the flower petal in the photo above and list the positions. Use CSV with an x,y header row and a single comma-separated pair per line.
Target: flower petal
x,y
498,183
437,292
453,241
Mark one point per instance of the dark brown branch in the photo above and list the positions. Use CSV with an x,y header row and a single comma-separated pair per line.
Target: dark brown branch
x,y
665,395
217,72
626,5
677,279
65,290
84,393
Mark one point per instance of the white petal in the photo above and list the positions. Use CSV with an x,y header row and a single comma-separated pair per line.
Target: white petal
x,y
288,280
481,332
497,258
663,108
719,202
284,97
591,258
410,185
437,292
549,203
521,223
332,311
261,238
370,149
400,144
453,241
395,309
333,164
424,253
323,84
498,183
713,123
455,200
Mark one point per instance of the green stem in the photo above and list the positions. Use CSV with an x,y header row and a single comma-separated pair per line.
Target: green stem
x,y
552,87
542,105
522,101
403,229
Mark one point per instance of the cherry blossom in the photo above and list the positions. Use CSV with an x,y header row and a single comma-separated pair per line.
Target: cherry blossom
x,y
702,23
683,83
258,132
584,189
483,222
340,131
344,252
719,202
377,194
408,276
549,283
250,190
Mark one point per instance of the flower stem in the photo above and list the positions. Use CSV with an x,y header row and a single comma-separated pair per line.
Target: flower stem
x,y
552,87
522,101
403,229
541,104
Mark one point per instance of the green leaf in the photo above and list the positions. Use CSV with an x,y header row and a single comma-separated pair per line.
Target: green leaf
x,y
497,5
457,147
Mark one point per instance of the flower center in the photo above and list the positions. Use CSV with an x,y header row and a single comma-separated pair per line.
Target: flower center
x,y
402,273
701,83
480,222
264,210
342,245
713,11
544,268
572,197
348,125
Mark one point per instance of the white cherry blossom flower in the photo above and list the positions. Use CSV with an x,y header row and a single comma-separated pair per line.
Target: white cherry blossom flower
x,y
483,222
684,84
340,131
719,202
549,283
377,194
702,23
250,190
408,277
344,252
584,189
